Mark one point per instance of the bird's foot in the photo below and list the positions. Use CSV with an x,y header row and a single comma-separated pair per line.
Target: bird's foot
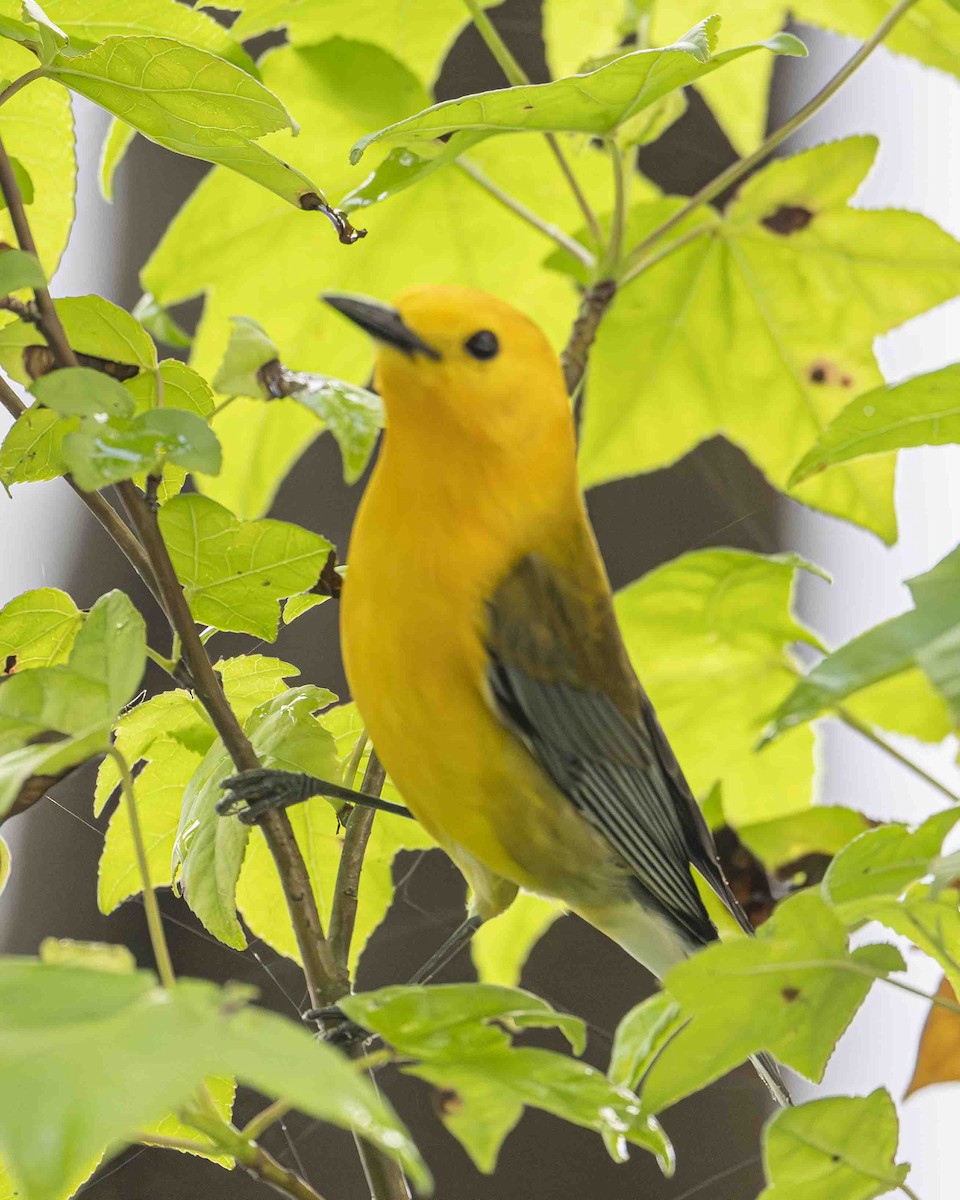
x,y
345,1033
250,794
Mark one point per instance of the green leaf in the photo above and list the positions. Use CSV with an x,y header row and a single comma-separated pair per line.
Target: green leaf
x,y
403,167
20,270
174,386
792,991
640,1037
450,1020
24,183
353,415
209,849
598,103
931,920
32,451
159,324
74,391
115,145
38,628
235,572
89,22
259,895
924,411
296,606
48,162
192,103
819,830
501,947
718,623
419,36
95,956
102,452
252,679
249,349
483,1097
52,718
327,86
93,326
576,31
840,1148
913,639
805,284
222,1092
71,1032
882,863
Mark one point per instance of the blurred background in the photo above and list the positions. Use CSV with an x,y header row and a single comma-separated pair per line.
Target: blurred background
x,y
712,497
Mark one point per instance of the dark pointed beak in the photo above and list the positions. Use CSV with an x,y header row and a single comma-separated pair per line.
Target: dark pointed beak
x,y
381,322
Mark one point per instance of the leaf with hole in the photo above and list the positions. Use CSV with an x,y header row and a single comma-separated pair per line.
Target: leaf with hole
x,y
806,284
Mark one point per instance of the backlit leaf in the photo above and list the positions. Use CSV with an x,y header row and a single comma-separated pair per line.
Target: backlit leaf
x,y
718,623
115,145
840,1148
38,627
792,990
32,451
805,284
235,572
48,161
52,718
500,947
191,102
326,86
598,102
249,348
924,411
916,638
640,1036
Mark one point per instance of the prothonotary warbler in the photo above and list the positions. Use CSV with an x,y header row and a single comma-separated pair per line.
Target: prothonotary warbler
x,y
481,646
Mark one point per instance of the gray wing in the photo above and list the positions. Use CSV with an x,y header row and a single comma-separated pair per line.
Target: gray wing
x,y
561,681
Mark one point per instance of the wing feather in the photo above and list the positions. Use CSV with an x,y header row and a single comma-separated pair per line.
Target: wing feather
x,y
561,681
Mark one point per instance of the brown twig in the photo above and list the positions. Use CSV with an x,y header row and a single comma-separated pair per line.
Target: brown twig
x,y
594,303
343,916
317,960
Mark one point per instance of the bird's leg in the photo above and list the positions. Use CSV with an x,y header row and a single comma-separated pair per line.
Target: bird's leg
x,y
250,794
349,1032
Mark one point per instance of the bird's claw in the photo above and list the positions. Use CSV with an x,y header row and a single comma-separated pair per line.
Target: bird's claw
x,y
250,794
345,1033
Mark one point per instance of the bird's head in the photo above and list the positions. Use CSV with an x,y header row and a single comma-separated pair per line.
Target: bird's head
x,y
459,359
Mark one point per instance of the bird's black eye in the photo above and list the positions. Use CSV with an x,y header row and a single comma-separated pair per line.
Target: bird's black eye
x,y
482,345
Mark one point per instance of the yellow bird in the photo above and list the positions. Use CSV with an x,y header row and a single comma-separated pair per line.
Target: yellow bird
x,y
481,646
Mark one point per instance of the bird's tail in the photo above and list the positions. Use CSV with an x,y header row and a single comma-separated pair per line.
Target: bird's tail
x,y
769,1072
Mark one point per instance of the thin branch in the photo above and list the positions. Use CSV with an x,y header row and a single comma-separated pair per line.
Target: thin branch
x,y
517,77
644,264
618,220
12,88
346,894
861,727
909,1192
736,171
318,962
594,302
564,241
161,952
264,1119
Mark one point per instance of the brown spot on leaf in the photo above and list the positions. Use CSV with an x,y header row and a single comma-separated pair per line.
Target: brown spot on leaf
x,y
447,1102
825,373
818,374
846,381
790,994
788,219
10,665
